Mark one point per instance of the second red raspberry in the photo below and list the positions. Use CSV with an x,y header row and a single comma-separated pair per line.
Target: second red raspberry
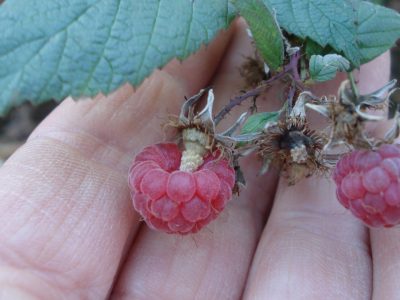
x,y
368,183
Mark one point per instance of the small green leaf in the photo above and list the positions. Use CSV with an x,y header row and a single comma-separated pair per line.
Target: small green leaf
x,y
378,29
53,49
312,48
323,68
256,123
265,30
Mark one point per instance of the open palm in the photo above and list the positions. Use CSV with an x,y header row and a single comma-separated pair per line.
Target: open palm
x,y
68,229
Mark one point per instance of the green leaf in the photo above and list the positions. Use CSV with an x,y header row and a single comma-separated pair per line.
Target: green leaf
x,y
380,2
256,123
57,48
323,68
265,30
325,22
357,29
312,48
378,29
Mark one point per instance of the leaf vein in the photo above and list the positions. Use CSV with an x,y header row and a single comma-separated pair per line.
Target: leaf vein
x,y
51,37
144,55
57,67
312,23
93,69
185,47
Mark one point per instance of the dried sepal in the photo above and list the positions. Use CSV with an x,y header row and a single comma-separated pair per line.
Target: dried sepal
x,y
394,131
299,109
346,95
206,115
394,103
292,146
319,108
366,116
204,119
186,115
294,149
377,97
239,122
348,115
198,134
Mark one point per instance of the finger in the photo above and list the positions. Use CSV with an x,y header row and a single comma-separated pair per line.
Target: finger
x,y
311,247
213,263
386,262
385,247
66,213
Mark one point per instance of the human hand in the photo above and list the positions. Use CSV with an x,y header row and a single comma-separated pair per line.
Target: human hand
x,y
68,228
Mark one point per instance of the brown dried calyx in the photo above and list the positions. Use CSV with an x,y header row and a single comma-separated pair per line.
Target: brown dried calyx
x,y
253,71
348,115
292,146
198,134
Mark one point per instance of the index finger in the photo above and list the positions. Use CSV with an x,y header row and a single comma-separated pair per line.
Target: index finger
x,y
311,247
66,214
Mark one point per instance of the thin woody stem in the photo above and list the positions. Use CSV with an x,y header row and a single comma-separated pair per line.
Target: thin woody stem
x,y
290,68
291,94
294,65
353,84
252,93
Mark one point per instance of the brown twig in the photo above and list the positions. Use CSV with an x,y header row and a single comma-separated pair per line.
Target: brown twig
x,y
291,68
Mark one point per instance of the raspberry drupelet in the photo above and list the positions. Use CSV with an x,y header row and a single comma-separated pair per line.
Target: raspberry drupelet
x,y
180,189
368,183
176,201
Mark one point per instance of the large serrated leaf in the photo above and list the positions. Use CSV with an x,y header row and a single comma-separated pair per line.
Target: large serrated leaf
x,y
357,29
325,22
377,31
57,48
323,68
265,30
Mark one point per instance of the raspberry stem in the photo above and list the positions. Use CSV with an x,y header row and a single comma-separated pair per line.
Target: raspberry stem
x,y
195,143
290,69
353,84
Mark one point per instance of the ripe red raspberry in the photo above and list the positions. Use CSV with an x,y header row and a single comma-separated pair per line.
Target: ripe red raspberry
x,y
177,201
368,183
